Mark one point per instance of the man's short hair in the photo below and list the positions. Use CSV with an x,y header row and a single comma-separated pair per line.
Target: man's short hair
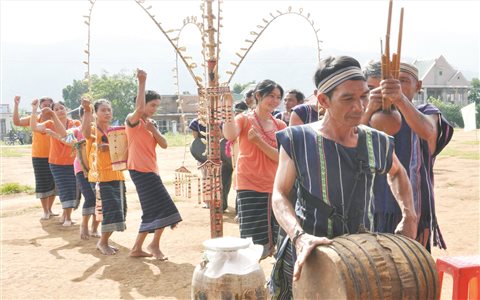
x,y
249,93
299,95
372,69
241,107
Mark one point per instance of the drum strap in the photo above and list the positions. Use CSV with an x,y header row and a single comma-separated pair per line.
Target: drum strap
x,y
362,160
104,137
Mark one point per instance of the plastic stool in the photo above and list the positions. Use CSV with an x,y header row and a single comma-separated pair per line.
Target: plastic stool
x,y
462,269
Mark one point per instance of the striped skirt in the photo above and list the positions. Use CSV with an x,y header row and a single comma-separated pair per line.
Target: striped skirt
x,y
66,184
158,208
114,205
281,280
88,194
44,183
256,217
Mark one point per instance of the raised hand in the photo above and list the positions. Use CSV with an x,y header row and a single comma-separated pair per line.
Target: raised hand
x,y
86,104
141,75
375,99
35,104
47,112
392,90
16,100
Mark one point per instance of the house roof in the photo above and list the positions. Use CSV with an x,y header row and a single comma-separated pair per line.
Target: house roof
x,y
424,66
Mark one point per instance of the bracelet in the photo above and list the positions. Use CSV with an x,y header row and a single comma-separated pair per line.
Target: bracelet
x,y
298,233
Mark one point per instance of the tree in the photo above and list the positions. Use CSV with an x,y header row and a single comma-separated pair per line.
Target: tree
x,y
238,87
451,112
474,92
120,89
72,93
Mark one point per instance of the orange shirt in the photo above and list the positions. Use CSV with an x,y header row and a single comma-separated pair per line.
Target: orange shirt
x,y
40,143
61,154
104,172
141,149
255,170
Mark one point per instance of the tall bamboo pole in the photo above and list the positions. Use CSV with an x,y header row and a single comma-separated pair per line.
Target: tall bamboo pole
x,y
213,156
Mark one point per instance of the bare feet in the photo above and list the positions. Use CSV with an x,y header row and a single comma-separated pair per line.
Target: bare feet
x,y
106,249
157,253
53,214
84,235
67,223
95,234
45,216
140,253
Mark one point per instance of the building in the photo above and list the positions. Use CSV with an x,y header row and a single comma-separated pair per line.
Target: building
x,y
169,115
5,119
440,80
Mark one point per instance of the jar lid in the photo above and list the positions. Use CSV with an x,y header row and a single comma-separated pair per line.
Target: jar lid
x,y
227,243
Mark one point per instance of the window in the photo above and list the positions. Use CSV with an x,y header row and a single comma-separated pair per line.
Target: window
x,y
440,72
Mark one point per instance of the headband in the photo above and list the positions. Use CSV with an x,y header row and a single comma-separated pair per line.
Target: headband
x,y
410,69
336,78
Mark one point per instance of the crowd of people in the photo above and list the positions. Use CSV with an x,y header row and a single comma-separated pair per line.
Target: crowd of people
x,y
302,176
58,171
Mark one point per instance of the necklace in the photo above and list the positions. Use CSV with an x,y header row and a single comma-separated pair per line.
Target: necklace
x,y
271,141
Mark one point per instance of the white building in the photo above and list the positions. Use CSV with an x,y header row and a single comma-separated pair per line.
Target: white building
x,y
5,119
440,80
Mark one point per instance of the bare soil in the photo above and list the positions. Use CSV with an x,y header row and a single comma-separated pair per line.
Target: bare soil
x,y
43,260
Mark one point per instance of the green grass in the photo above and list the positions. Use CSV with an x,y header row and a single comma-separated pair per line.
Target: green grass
x,y
461,154
14,188
13,152
471,143
179,139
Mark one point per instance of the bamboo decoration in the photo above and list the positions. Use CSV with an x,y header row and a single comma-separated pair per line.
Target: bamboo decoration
x,y
388,119
211,108
183,184
391,67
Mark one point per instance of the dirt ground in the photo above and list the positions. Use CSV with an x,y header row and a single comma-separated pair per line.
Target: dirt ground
x,y
43,260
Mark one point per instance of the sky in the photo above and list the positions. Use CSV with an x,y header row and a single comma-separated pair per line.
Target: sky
x,y
43,42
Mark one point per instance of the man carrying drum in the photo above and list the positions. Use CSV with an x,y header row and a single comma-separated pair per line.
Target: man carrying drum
x,y
334,161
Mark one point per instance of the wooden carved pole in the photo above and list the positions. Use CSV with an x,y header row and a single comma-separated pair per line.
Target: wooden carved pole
x,y
213,163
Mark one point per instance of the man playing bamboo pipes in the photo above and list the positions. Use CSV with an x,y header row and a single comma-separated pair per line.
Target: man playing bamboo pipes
x,y
423,135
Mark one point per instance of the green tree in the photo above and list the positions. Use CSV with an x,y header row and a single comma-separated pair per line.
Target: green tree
x,y
120,89
451,112
239,87
72,93
474,92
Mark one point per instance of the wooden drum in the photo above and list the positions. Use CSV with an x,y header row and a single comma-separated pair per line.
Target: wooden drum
x,y
118,146
369,266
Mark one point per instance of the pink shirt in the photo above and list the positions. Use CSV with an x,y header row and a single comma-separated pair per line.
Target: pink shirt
x,y
141,149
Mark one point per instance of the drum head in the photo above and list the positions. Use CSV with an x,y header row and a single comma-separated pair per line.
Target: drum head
x,y
197,148
320,278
